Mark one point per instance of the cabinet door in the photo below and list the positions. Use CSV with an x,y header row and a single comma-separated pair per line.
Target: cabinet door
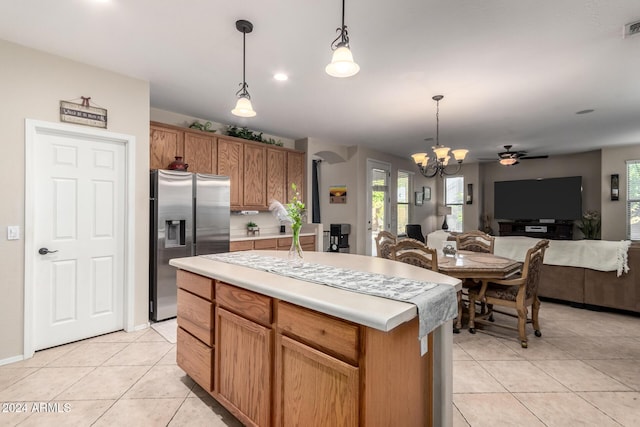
x,y
295,174
230,164
164,145
200,152
276,175
314,389
254,191
243,365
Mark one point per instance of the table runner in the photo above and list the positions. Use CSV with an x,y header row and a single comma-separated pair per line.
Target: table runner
x,y
437,303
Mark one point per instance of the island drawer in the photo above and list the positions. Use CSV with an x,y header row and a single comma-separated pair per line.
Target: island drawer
x,y
265,244
242,245
248,304
196,284
195,315
195,359
320,331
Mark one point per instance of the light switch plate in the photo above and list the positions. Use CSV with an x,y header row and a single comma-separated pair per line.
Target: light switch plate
x,y
13,232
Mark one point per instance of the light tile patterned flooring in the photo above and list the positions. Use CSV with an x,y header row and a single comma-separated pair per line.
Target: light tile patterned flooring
x,y
584,371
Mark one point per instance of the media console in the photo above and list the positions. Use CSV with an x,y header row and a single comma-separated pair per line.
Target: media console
x,y
558,230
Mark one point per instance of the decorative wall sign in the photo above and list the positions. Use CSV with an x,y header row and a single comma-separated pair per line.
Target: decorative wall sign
x,y
83,114
338,194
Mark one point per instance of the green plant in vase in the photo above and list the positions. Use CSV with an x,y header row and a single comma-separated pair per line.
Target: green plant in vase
x,y
293,213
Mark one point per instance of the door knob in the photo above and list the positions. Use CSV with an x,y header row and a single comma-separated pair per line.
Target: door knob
x,y
44,251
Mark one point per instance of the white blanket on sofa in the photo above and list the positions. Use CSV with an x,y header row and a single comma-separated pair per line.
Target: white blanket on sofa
x,y
601,255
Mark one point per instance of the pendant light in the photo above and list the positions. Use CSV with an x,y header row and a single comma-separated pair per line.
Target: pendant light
x,y
342,64
243,106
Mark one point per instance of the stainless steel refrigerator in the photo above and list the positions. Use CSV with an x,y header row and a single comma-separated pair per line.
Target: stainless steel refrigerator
x,y
189,216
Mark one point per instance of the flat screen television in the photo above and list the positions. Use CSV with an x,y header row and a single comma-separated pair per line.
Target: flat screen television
x,y
535,199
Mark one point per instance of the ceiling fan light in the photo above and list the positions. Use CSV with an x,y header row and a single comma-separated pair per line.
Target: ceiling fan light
x,y
243,108
508,161
342,64
459,154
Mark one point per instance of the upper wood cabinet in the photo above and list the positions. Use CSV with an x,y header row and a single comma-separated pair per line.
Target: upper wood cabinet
x,y
254,182
200,153
295,173
165,144
276,175
231,164
258,172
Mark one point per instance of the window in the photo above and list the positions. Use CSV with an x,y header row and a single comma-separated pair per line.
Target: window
x,y
454,198
404,186
633,199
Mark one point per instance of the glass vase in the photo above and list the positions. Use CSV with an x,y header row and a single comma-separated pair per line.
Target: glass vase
x,y
295,252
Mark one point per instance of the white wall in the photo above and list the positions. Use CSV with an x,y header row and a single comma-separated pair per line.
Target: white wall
x,y
614,213
32,84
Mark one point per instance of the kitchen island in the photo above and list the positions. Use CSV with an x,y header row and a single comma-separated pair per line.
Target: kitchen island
x,y
280,351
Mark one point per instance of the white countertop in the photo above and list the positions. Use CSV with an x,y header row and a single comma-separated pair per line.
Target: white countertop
x,y
240,238
375,312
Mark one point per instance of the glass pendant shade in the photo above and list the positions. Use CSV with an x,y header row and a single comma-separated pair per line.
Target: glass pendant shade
x,y
441,152
508,161
342,64
419,157
459,154
243,108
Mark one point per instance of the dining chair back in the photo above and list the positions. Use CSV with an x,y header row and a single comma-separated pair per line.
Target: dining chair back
x,y
414,252
475,241
384,241
518,293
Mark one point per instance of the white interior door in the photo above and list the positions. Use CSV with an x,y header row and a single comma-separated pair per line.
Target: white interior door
x,y
79,217
378,176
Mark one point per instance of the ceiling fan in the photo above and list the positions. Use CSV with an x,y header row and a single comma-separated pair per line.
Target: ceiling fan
x,y
510,158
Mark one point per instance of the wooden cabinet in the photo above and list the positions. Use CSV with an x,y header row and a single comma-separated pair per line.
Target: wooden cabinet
x,y
200,152
295,174
273,362
276,175
231,164
165,143
308,243
254,182
315,389
257,172
244,352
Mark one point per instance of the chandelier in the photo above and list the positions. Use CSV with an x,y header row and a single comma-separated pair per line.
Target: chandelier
x,y
342,64
243,106
439,165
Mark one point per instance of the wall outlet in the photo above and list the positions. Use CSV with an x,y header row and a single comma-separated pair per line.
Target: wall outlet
x,y
13,232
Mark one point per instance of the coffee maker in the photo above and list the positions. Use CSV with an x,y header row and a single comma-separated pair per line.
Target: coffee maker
x,y
339,237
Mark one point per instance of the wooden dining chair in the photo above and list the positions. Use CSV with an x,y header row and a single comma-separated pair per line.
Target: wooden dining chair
x,y
384,241
518,294
414,252
475,241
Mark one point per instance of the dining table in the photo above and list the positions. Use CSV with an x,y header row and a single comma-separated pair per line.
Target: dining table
x,y
475,266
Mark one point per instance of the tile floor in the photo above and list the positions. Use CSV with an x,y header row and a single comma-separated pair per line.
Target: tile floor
x,y
584,371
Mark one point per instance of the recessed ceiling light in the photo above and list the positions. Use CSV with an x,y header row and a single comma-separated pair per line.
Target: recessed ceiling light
x,y
585,111
281,77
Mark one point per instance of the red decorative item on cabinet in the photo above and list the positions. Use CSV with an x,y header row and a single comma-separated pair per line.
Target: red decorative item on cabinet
x,y
178,164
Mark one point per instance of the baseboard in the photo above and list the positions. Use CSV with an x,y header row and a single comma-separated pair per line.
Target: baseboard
x,y
139,327
13,359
